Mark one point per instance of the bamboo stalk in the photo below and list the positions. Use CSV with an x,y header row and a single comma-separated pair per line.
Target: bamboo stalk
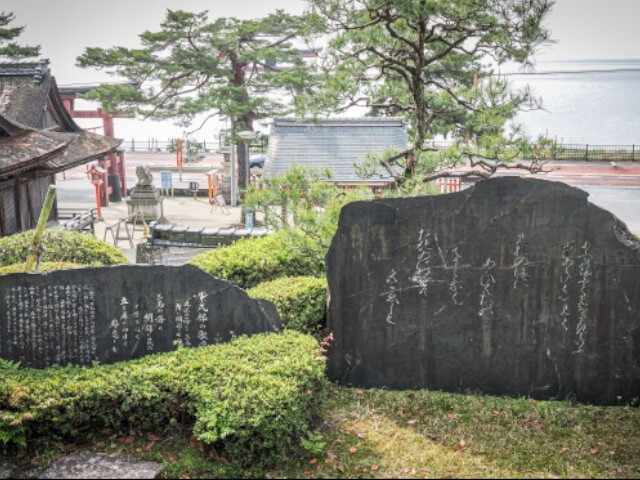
x,y
34,250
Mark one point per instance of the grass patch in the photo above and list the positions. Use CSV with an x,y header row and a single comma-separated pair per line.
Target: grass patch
x,y
414,434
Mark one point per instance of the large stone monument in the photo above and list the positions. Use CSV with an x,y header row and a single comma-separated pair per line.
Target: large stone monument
x,y
144,197
121,312
514,286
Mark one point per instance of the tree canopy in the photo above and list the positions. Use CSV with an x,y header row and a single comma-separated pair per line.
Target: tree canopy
x,y
433,62
241,69
8,47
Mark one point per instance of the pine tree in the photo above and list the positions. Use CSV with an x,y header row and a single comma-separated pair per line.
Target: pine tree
x,y
241,69
8,48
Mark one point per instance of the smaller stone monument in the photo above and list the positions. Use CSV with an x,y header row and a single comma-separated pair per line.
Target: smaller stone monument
x,y
144,197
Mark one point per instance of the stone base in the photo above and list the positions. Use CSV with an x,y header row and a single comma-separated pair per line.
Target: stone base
x,y
151,209
146,200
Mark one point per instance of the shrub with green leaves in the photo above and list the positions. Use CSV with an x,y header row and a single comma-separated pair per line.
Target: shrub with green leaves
x,y
301,301
251,399
42,267
60,246
250,261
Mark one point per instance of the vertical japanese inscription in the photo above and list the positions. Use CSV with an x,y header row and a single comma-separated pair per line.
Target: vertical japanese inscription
x,y
390,294
50,324
520,262
565,278
584,281
422,273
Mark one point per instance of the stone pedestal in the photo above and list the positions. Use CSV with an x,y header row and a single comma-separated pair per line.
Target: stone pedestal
x,y
147,201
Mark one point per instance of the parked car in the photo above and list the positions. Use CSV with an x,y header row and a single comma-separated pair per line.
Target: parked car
x,y
257,161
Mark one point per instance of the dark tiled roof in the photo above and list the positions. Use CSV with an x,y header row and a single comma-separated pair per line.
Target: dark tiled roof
x,y
29,97
27,91
36,70
335,144
55,151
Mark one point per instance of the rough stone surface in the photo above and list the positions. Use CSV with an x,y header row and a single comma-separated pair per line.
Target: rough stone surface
x,y
514,286
121,312
101,465
13,469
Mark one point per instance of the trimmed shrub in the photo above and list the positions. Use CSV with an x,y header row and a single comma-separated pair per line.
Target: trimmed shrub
x,y
252,398
301,302
43,267
250,261
60,246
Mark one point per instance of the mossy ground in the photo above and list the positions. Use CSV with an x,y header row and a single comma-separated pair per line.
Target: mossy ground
x,y
414,434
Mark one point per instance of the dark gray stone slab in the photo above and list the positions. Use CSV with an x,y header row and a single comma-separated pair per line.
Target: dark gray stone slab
x,y
101,465
121,312
514,286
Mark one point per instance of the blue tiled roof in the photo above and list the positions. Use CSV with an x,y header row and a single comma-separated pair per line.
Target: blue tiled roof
x,y
335,144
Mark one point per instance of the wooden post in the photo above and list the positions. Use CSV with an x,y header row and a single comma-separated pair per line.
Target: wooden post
x,y
34,250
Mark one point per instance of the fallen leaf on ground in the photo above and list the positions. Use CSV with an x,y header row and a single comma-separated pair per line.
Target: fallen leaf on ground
x,y
105,432
341,468
313,461
113,455
224,460
496,413
593,451
171,459
153,438
564,449
359,392
532,401
413,421
150,446
100,445
374,468
353,449
463,446
127,440
451,416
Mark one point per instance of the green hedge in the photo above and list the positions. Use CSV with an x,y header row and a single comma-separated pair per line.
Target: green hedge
x,y
43,267
252,399
250,261
61,246
301,301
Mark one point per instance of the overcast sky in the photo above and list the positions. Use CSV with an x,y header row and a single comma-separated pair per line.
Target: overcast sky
x,y
583,29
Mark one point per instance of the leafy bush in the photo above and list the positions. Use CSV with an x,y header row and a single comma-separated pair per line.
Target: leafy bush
x,y
250,261
43,267
252,399
301,301
61,246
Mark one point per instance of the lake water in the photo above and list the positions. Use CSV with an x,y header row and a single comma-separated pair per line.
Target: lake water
x,y
595,107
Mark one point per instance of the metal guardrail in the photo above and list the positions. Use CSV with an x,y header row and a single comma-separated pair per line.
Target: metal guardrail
x,y
578,151
567,151
190,146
